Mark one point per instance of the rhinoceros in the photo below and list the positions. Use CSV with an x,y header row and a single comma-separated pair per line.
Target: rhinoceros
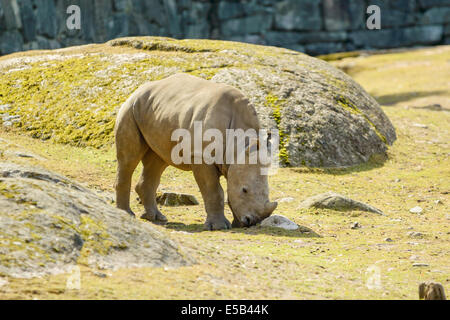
x,y
143,132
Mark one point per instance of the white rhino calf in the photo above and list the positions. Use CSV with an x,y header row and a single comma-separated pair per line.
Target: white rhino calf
x,y
143,132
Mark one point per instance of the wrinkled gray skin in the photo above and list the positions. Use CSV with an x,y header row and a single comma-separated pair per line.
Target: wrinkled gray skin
x,y
143,133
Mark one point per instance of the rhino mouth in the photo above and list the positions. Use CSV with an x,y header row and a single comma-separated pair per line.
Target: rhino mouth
x,y
238,223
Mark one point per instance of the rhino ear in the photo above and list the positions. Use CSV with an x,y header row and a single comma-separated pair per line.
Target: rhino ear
x,y
253,146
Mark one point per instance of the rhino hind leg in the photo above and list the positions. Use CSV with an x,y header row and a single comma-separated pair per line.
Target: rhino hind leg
x,y
130,149
208,180
153,167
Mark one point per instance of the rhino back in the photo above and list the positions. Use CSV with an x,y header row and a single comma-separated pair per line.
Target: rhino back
x,y
161,107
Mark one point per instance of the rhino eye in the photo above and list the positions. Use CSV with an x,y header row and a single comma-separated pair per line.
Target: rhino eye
x,y
244,190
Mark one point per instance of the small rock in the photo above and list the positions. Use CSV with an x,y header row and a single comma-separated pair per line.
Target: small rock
x,y
173,199
388,240
331,200
100,274
279,221
438,202
415,234
355,225
432,107
419,264
416,209
413,257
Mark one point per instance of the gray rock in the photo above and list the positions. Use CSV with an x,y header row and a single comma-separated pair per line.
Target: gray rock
x,y
103,10
436,16
396,13
295,47
413,234
388,240
11,14
391,38
279,221
416,209
46,18
357,13
355,225
44,43
298,15
10,41
248,38
419,264
247,25
447,30
280,38
432,107
173,199
229,10
432,3
50,223
331,200
336,14
2,18
29,20
152,11
324,48
173,18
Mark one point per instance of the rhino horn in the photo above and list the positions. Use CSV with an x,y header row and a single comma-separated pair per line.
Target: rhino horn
x,y
270,207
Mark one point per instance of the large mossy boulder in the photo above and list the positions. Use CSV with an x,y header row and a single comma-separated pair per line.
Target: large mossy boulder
x,y
72,95
49,223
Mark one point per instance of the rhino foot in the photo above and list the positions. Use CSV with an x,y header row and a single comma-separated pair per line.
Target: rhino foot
x,y
155,217
217,224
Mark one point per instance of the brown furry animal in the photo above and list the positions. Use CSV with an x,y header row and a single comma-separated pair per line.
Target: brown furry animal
x,y
143,132
431,291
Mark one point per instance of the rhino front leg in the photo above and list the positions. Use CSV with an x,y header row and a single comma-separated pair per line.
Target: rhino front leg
x,y
148,183
208,180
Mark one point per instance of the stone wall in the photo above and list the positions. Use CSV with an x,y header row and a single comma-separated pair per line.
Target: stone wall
x,y
311,26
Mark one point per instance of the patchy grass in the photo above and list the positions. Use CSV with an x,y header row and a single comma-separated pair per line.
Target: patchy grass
x,y
261,263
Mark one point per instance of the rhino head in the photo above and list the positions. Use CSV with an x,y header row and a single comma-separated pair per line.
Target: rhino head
x,y
248,194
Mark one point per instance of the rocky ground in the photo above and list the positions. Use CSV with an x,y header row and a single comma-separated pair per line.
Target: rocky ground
x,y
337,253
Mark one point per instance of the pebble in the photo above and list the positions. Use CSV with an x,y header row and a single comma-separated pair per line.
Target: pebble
x,y
279,221
388,240
416,209
355,225
415,234
419,264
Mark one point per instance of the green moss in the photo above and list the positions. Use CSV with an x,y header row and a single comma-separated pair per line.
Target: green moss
x,y
8,191
275,103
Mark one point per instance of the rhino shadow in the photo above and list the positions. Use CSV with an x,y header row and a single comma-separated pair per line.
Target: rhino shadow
x,y
301,232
